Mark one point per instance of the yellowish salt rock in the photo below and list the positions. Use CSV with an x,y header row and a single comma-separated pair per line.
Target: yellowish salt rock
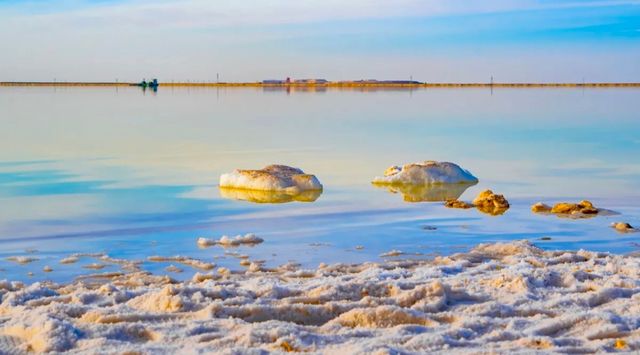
x,y
582,207
540,208
286,346
491,203
622,227
47,268
620,344
392,170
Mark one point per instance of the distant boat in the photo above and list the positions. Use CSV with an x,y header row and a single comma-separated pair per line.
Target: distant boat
x,y
148,84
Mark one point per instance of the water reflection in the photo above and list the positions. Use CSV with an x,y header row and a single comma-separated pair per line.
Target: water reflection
x,y
427,193
492,210
259,196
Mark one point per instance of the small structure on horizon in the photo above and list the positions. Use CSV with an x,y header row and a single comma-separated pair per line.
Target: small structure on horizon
x,y
288,81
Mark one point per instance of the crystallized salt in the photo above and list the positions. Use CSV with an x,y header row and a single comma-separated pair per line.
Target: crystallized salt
x,y
428,172
227,241
271,178
497,298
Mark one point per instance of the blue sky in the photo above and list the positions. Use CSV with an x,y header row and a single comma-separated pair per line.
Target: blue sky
x,y
430,40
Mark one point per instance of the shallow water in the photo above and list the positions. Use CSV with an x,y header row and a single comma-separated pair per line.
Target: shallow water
x,y
134,174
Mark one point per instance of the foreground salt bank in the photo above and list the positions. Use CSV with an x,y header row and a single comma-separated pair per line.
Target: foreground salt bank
x,y
496,298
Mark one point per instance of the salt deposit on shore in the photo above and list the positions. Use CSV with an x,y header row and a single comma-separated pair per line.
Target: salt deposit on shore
x,y
226,241
510,297
271,178
425,173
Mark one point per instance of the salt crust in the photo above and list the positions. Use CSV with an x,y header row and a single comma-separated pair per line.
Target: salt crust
x,y
226,241
504,298
271,178
425,173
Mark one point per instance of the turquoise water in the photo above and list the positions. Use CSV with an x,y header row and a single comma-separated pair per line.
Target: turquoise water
x,y
135,174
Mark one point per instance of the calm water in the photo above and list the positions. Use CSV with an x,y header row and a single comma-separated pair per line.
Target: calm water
x,y
134,174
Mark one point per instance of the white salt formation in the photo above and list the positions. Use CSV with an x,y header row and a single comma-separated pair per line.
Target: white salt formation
x,y
22,259
226,241
428,172
271,178
185,260
497,298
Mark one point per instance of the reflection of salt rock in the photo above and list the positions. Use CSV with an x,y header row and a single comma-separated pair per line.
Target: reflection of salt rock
x,y
258,196
457,204
431,192
623,227
428,172
491,203
271,178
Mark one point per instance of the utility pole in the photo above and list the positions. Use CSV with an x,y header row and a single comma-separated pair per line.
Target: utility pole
x,y
218,78
491,85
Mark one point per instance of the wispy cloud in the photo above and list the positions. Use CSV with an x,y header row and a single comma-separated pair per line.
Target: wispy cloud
x,y
206,13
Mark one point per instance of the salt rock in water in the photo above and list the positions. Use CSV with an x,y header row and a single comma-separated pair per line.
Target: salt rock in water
x,y
486,202
271,178
623,227
582,209
491,203
428,172
540,207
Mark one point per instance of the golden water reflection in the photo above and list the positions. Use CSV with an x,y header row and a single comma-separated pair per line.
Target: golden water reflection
x,y
261,196
427,193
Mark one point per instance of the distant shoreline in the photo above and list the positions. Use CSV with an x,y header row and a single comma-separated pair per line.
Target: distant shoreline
x,y
340,84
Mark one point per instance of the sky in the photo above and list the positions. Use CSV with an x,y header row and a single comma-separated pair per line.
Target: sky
x,y
426,40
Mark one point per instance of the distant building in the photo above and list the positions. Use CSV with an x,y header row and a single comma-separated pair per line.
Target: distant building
x,y
388,82
310,81
404,82
298,81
